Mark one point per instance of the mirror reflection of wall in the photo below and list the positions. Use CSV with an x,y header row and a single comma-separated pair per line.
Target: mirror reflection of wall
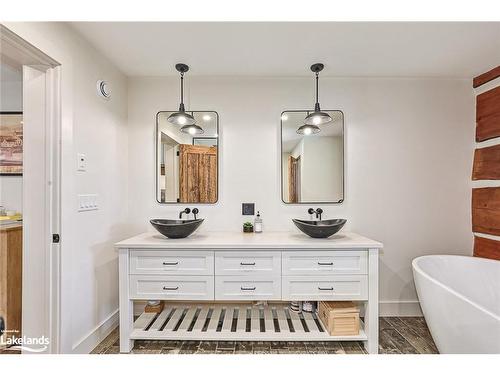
x,y
186,167
312,165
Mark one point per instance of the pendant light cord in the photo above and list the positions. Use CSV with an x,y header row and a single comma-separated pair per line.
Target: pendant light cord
x,y
182,88
317,83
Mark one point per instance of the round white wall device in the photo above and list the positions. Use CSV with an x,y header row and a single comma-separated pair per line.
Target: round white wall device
x,y
103,89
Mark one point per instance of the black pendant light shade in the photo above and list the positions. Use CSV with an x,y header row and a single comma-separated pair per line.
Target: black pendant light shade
x,y
317,117
182,118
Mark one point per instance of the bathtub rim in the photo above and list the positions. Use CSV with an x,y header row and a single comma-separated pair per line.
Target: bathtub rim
x,y
418,269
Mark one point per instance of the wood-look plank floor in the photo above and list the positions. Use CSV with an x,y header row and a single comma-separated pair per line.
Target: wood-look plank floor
x,y
408,335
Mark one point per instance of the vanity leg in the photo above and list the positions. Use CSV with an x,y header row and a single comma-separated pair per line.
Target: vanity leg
x,y
126,305
371,312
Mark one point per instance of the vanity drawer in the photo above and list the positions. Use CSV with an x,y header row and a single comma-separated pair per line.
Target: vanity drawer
x,y
233,263
171,262
172,287
309,263
247,288
325,288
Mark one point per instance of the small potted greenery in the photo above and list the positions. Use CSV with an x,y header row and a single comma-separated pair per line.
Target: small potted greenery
x,y
247,227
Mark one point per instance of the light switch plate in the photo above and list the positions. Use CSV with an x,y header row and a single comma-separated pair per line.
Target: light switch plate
x,y
248,209
82,162
87,202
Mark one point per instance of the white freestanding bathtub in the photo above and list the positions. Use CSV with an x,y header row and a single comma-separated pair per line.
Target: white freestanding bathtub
x,y
460,299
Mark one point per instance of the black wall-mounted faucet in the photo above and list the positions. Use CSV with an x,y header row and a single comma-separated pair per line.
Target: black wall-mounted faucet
x,y
186,211
195,212
316,212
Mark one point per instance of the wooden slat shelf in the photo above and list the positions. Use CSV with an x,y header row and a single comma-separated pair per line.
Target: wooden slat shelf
x,y
234,322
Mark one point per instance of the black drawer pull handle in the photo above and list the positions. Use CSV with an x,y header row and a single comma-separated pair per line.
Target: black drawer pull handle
x,y
320,288
170,288
170,263
247,264
243,288
325,263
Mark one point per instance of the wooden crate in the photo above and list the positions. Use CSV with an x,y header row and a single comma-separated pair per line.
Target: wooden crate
x,y
154,309
340,318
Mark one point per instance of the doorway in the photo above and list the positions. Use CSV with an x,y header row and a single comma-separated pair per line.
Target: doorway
x,y
30,188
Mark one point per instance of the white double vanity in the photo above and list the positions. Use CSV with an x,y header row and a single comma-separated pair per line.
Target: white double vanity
x,y
213,280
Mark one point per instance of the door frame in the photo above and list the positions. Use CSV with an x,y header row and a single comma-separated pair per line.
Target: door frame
x,y
18,50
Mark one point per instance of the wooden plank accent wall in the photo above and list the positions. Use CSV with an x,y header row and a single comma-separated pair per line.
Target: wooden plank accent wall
x,y
488,115
486,210
486,200
486,248
486,77
486,163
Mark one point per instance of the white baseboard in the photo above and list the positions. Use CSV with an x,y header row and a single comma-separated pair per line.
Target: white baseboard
x,y
386,308
399,308
86,344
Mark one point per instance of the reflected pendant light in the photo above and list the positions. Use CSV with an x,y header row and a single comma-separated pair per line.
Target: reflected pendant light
x,y
192,129
308,129
316,118
181,117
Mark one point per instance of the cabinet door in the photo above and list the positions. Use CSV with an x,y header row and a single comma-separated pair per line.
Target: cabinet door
x,y
233,263
172,287
311,263
325,288
175,262
247,288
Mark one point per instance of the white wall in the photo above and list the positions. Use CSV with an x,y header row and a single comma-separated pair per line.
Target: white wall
x,y
11,88
409,146
321,169
97,128
11,100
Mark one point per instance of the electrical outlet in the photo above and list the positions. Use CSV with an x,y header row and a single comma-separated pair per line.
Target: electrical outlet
x,y
248,208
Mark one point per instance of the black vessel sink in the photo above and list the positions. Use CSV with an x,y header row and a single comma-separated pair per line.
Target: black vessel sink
x,y
176,228
319,229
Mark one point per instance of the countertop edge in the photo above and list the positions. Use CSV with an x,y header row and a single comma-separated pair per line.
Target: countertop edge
x,y
141,242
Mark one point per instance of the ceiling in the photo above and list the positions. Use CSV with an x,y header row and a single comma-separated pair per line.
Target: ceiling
x,y
366,49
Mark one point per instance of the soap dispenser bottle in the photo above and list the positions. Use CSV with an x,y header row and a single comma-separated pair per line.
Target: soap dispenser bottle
x,y
257,225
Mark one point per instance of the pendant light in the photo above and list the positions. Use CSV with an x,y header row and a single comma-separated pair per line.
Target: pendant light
x,y
308,129
192,129
316,118
181,117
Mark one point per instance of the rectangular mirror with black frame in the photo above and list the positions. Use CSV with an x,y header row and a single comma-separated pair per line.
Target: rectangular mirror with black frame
x,y
187,159
312,159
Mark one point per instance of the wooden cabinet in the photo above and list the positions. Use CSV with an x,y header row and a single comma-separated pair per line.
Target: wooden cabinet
x,y
11,250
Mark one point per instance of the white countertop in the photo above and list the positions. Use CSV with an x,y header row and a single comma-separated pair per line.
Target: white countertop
x,y
239,240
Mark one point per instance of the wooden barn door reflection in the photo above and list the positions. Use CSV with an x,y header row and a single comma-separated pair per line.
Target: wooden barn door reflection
x,y
293,179
197,174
